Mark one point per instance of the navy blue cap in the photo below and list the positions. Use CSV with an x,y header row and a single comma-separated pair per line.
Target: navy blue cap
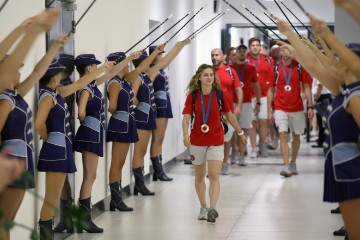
x,y
116,56
66,59
54,68
355,47
143,56
152,48
86,59
241,46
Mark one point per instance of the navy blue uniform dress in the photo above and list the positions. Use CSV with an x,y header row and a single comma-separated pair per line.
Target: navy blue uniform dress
x,y
162,96
342,166
17,135
122,125
145,112
90,135
56,154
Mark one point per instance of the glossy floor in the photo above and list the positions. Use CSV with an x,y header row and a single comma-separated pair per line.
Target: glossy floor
x,y
255,203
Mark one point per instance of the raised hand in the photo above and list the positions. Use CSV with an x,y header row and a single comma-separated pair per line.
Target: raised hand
x,y
161,47
282,25
46,19
63,39
108,65
135,55
318,26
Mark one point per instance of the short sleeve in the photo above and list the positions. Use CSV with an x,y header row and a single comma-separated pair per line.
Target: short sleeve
x,y
87,88
8,98
47,94
347,99
188,104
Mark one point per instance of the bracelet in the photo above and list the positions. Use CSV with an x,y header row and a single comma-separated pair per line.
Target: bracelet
x,y
311,107
258,103
240,133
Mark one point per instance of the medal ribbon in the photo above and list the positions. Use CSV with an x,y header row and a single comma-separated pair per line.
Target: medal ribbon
x,y
205,115
241,76
287,77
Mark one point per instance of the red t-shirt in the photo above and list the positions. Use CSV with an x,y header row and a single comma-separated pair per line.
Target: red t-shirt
x,y
265,72
228,84
290,101
215,135
250,77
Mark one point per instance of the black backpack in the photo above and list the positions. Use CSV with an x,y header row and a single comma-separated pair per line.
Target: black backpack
x,y
219,95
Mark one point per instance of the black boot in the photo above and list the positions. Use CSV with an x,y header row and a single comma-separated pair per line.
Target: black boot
x,y
140,183
116,199
46,229
90,227
158,169
66,222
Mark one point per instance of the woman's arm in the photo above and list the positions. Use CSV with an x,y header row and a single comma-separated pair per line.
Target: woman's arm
x,y
307,59
10,39
114,90
167,59
234,123
353,109
45,107
10,66
83,100
117,68
65,91
346,56
351,6
24,87
185,128
6,109
144,65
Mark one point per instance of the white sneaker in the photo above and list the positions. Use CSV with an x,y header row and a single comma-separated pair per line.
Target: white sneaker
x,y
253,153
242,162
233,157
264,151
225,169
203,213
286,172
293,169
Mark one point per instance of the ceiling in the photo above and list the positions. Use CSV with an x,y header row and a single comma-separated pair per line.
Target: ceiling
x,y
323,9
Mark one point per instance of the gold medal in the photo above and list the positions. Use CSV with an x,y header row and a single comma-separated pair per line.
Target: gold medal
x,y
288,88
204,128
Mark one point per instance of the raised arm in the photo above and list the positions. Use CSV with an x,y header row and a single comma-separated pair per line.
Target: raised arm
x,y
10,66
65,91
10,39
307,59
346,56
167,59
117,68
24,87
144,65
351,6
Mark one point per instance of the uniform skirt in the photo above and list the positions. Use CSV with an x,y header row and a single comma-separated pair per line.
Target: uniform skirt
x,y
335,191
145,120
122,131
89,140
163,107
54,158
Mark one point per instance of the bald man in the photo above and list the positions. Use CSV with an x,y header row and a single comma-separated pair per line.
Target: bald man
x,y
230,84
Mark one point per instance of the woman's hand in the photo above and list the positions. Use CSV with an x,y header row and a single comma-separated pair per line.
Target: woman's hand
x,y
318,26
282,25
243,139
186,140
63,39
135,55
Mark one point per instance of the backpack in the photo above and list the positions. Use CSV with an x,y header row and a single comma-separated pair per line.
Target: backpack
x,y
219,96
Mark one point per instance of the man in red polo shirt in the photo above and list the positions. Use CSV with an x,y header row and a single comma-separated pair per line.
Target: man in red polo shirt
x,y
291,79
230,85
250,86
265,73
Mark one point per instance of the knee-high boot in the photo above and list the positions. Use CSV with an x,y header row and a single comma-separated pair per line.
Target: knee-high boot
x,y
159,170
46,229
140,183
66,222
90,227
116,199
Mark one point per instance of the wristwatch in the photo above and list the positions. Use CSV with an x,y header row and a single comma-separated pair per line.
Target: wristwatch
x,y
258,103
240,133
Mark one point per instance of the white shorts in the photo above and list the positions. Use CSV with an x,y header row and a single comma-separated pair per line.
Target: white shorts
x,y
293,120
263,109
246,116
229,134
200,154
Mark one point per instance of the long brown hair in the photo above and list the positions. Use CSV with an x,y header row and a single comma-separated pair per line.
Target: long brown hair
x,y
195,85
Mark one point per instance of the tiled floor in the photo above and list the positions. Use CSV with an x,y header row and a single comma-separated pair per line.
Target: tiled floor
x,y
255,203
